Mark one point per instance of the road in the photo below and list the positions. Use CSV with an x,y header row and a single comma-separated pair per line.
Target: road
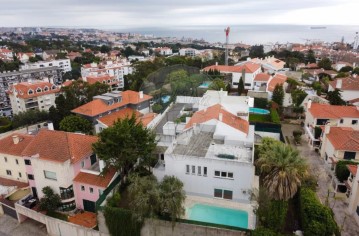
x,y
10,227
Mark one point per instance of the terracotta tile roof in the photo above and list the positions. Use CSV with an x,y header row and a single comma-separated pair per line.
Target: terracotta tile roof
x,y
353,169
60,146
86,219
344,138
277,79
97,106
101,79
213,113
7,145
23,89
348,83
248,68
262,77
109,120
327,111
147,118
9,182
95,180
67,83
5,50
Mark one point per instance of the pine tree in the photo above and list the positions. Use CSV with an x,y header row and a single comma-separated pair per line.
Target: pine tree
x,y
278,94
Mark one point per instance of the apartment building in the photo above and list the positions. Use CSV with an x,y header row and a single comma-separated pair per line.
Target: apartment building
x,y
164,51
63,64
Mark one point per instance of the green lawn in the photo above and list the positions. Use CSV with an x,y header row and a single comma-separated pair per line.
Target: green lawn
x,y
259,118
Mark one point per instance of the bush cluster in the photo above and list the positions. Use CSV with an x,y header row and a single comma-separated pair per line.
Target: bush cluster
x,y
117,218
341,169
274,116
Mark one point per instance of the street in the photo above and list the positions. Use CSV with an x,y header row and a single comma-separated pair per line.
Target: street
x,y
10,227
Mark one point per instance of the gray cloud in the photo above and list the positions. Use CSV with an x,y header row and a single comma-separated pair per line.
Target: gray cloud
x,y
157,13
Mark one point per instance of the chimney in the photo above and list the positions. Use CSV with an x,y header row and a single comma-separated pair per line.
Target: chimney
x,y
15,139
339,84
309,104
216,63
327,129
140,94
50,126
220,116
101,165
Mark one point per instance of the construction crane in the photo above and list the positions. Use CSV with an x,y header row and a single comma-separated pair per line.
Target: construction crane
x,y
227,37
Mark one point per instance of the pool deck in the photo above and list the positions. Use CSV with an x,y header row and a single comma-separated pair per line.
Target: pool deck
x,y
191,200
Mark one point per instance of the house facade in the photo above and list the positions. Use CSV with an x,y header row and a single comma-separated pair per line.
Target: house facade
x,y
348,86
63,64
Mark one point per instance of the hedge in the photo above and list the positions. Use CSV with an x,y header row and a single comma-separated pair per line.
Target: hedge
x,y
5,125
264,232
121,223
317,219
341,169
274,116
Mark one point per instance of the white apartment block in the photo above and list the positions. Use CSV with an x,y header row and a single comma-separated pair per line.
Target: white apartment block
x,y
64,64
38,95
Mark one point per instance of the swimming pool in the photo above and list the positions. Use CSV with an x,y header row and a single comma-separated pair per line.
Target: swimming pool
x,y
166,98
205,84
258,111
218,215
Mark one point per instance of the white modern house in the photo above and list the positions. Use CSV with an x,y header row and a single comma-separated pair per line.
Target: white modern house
x,y
269,64
191,52
348,86
64,64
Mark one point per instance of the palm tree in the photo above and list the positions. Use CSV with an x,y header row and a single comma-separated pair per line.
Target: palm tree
x,y
283,170
172,198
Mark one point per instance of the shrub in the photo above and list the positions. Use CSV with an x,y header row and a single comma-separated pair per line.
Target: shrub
x,y
157,108
120,222
341,170
317,219
264,232
274,116
5,125
261,103
297,134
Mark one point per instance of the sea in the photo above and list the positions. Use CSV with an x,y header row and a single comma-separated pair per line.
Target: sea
x,y
255,34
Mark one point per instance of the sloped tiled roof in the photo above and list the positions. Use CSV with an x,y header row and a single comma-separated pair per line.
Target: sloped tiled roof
x,y
327,111
213,113
353,169
97,106
60,146
248,68
24,88
344,138
277,79
95,180
262,77
101,79
109,120
7,145
348,83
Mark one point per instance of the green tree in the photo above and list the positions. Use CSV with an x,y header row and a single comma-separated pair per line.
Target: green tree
x,y
310,57
356,71
298,96
105,49
74,123
122,144
61,55
217,84
256,51
172,198
282,168
145,197
51,201
95,89
33,59
335,98
278,94
342,75
346,69
29,117
317,87
240,86
325,63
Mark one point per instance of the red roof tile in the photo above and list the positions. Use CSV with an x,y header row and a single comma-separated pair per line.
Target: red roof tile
x,y
344,138
97,106
327,111
24,88
262,77
248,68
60,146
95,180
277,79
348,83
213,113
7,145
9,182
109,120
353,169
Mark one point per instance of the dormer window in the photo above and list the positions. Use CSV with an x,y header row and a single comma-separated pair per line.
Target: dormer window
x,y
30,91
104,82
108,81
53,87
38,90
46,88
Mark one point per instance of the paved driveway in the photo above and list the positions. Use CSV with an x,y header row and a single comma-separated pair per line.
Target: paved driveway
x,y
10,227
317,168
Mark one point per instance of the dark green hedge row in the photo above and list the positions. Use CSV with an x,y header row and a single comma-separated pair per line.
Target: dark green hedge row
x,y
121,223
274,116
5,125
264,232
317,219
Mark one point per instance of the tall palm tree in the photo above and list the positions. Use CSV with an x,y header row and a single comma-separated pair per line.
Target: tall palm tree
x,y
172,197
283,170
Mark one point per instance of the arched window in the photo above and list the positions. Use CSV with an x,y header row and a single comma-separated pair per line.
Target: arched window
x,y
53,87
46,88
38,90
30,91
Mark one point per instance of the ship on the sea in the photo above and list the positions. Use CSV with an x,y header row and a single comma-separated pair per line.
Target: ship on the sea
x,y
318,27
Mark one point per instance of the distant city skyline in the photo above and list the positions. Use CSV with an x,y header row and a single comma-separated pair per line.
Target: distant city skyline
x,y
161,13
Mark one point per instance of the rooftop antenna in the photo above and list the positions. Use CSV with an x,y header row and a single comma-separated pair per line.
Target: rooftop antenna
x,y
227,37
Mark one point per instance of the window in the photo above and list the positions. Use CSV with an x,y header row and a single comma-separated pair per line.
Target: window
x,y
30,177
27,162
8,172
91,190
349,155
93,159
204,171
225,194
162,157
235,83
17,161
223,174
354,122
187,169
50,175
67,193
38,90
217,173
199,170
193,170
30,91
341,121
82,164
247,84
230,175
20,175
82,188
5,159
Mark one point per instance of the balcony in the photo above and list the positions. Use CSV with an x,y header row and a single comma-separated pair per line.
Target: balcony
x,y
67,193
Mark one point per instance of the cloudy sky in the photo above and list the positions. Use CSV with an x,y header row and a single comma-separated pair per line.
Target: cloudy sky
x,y
165,13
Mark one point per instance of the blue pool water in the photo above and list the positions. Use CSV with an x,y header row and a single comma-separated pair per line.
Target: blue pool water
x,y
218,215
166,98
258,111
205,84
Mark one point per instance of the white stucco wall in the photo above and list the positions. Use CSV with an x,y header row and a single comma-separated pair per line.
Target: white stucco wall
x,y
15,168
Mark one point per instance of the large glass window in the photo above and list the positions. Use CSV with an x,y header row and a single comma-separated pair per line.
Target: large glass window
x,y
50,175
187,169
218,193
225,194
67,193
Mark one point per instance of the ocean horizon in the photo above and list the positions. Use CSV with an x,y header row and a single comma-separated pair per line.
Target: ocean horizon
x,y
252,34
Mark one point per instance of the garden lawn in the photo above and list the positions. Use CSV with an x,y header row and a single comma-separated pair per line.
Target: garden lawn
x,y
259,118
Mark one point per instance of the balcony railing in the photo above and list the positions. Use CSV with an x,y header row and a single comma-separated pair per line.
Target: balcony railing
x,y
67,195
